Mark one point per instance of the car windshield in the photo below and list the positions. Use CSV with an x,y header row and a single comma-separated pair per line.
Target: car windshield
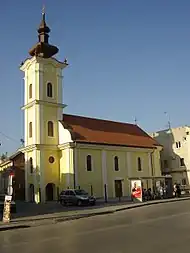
x,y
81,192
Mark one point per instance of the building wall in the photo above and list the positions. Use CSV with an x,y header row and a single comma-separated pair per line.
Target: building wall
x,y
3,180
16,164
113,175
66,168
176,146
103,171
87,179
69,168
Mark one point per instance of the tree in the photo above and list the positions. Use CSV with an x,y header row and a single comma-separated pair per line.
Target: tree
x,y
4,157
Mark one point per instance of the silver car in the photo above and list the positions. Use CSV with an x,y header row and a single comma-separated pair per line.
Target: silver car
x,y
76,197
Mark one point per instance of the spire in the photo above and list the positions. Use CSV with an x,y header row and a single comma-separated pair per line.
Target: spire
x,y
43,48
43,29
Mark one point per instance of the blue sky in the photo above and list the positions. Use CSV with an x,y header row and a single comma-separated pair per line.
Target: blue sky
x,y
127,59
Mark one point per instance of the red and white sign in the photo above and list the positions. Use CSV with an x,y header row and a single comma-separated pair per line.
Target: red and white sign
x,y
136,189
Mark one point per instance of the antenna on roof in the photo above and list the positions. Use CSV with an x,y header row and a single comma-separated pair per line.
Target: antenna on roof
x,y
169,123
135,121
22,141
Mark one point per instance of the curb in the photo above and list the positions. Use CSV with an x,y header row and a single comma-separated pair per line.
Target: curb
x,y
37,222
11,227
55,220
80,216
151,203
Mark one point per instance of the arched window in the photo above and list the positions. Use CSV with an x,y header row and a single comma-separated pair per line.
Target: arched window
x,y
89,163
30,91
139,164
30,129
50,128
49,90
116,163
31,165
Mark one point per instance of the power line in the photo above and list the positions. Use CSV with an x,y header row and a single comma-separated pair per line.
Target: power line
x,y
9,138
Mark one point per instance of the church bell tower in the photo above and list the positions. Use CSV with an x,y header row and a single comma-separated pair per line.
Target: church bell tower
x,y
42,111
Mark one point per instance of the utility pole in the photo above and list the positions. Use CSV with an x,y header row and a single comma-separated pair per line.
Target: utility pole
x,y
8,199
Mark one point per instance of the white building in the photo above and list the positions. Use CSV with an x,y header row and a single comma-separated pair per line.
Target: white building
x,y
175,156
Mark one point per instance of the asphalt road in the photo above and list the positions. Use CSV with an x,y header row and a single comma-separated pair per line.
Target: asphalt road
x,y
156,228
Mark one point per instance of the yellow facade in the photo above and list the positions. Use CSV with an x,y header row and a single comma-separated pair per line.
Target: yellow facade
x,y
103,171
93,178
40,108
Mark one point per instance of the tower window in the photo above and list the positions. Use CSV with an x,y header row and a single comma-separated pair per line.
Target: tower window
x,y
31,165
89,163
139,164
116,163
30,91
30,130
51,159
49,90
50,128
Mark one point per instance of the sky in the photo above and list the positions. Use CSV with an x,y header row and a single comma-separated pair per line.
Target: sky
x,y
127,59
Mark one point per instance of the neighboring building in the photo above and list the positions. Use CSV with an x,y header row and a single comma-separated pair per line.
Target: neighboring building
x,y
15,164
175,156
65,151
4,166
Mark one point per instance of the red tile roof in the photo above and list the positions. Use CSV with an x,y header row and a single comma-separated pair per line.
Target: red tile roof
x,y
98,131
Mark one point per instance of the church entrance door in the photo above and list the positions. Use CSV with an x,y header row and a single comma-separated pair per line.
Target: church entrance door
x,y
50,191
118,188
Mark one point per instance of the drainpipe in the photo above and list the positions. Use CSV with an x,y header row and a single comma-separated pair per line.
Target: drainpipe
x,y
152,167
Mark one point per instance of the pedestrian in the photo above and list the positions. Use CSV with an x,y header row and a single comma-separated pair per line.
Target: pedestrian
x,y
178,191
175,190
161,192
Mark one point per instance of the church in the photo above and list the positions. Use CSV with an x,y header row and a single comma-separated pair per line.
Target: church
x,y
64,151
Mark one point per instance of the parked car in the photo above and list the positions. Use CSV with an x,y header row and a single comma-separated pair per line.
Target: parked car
x,y
13,204
76,197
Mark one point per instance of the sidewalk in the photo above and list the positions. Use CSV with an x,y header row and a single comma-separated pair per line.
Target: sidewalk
x,y
56,217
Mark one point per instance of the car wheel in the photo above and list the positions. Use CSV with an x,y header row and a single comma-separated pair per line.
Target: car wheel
x,y
79,203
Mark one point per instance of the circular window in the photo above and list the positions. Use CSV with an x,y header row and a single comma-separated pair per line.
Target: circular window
x,y
51,159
